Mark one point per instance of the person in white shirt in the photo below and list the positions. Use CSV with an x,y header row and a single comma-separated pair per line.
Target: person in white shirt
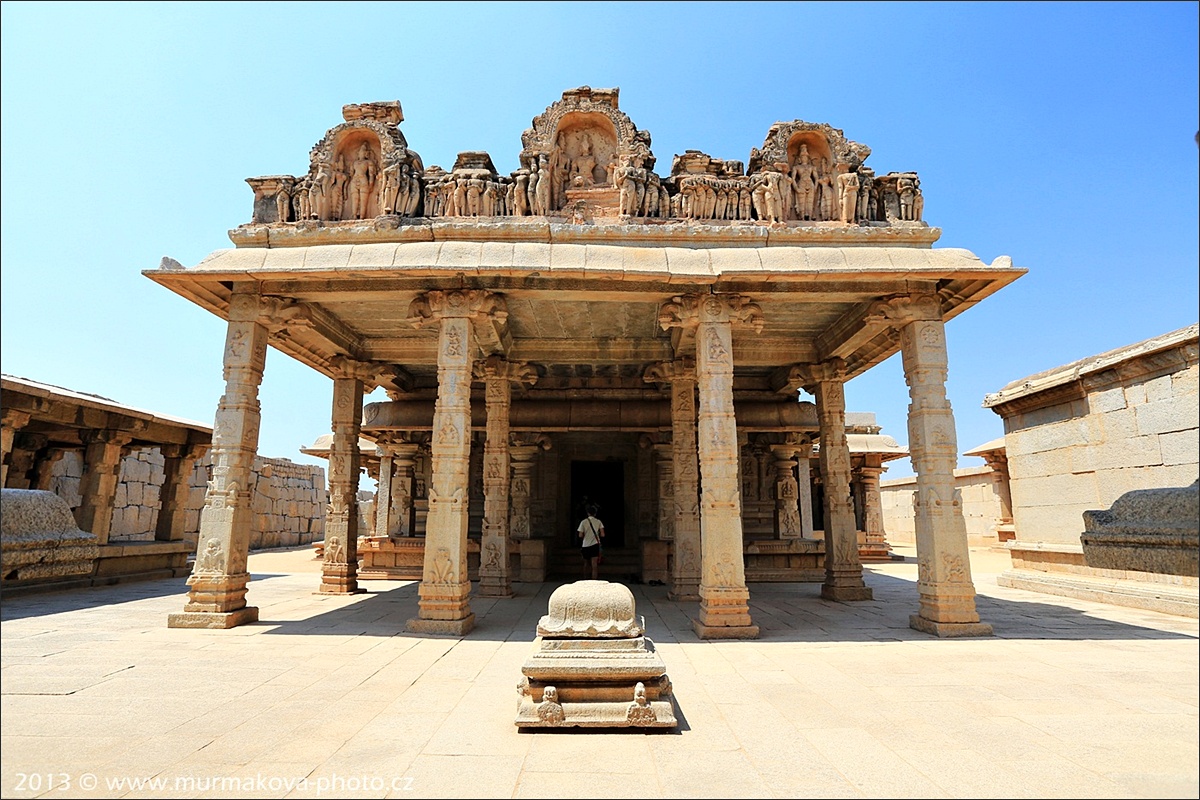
x,y
591,532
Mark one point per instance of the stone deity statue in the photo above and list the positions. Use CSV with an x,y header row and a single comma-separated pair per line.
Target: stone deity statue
x,y
848,189
363,173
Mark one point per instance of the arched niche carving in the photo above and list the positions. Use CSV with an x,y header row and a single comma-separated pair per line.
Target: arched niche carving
x,y
784,139
586,147
347,169
557,138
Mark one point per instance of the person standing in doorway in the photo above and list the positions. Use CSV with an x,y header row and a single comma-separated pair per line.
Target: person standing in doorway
x,y
591,532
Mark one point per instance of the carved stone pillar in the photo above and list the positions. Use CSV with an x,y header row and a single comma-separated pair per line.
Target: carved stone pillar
x,y
664,469
497,375
804,487
875,544
843,568
1000,486
787,491
724,598
947,594
11,422
217,586
445,586
385,522
394,505
23,461
685,473
44,471
522,480
98,487
178,463
339,569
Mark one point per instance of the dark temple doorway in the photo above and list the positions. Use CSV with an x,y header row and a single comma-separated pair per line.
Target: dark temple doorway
x,y
601,483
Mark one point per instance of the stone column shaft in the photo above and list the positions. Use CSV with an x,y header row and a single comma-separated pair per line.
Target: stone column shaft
x,y
444,606
494,578
98,487
43,473
403,461
804,490
178,463
385,521
664,471
685,578
947,593
843,569
217,586
876,538
724,598
339,570
787,490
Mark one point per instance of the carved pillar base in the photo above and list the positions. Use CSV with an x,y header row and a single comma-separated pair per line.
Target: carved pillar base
x,y
948,630
854,591
445,610
725,614
215,601
494,586
339,579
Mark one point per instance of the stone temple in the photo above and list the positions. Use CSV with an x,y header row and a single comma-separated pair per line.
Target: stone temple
x,y
588,330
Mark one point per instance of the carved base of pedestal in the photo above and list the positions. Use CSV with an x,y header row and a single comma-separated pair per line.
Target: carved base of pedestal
x,y
441,627
724,631
948,630
684,594
213,619
339,589
844,594
495,590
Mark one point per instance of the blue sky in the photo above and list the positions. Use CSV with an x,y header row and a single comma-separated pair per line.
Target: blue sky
x,y
1060,134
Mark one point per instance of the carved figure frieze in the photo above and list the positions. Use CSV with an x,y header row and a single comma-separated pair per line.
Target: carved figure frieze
x,y
584,159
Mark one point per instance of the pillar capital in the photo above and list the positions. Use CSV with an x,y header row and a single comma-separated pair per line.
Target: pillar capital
x,y
686,311
497,367
284,316
679,369
899,310
106,436
435,305
809,375
13,418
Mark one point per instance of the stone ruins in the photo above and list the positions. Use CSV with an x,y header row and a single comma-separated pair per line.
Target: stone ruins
x,y
136,481
585,330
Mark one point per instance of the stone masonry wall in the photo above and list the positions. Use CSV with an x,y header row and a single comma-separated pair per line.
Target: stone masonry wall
x,y
981,506
289,498
1083,454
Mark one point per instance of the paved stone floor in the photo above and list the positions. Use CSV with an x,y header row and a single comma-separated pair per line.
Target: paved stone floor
x,y
328,696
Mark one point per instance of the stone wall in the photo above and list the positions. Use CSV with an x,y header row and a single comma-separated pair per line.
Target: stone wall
x,y
1129,422
289,498
976,487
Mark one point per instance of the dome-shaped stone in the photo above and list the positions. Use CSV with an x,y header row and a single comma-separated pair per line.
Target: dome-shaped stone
x,y
591,609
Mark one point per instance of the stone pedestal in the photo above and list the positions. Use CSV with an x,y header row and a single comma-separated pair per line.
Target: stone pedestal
x,y
593,666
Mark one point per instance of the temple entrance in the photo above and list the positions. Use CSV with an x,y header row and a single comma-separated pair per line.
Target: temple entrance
x,y
601,483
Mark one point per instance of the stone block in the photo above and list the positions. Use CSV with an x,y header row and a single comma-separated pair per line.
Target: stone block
x,y
1106,400
1150,530
1186,382
133,493
1166,416
1180,447
1135,395
1136,451
1055,524
1159,389
39,539
1046,437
